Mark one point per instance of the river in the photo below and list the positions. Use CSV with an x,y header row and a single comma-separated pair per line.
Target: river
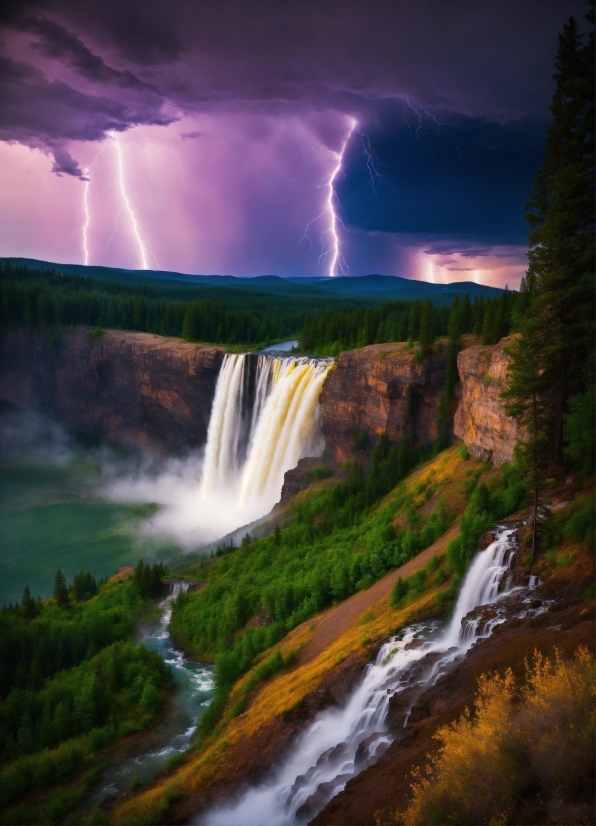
x,y
192,692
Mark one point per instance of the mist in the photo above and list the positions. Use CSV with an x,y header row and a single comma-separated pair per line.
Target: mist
x,y
25,433
186,514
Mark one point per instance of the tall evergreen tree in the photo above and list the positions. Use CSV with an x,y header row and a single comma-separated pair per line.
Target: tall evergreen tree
x,y
561,218
28,603
60,589
553,359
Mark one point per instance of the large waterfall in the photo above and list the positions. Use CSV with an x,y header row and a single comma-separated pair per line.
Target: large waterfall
x,y
265,418
263,421
343,741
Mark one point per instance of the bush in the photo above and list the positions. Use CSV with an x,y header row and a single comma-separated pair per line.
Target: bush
x,y
320,472
536,739
150,700
174,762
581,525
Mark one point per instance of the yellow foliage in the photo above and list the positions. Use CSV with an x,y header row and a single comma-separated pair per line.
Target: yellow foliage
x,y
538,736
468,778
558,718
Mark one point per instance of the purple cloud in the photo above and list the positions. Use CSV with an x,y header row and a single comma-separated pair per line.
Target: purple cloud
x,y
44,113
54,41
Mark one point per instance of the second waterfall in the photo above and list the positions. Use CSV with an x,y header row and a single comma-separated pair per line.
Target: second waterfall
x,y
265,418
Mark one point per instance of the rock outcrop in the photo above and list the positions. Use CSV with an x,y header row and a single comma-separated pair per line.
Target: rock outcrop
x,y
133,389
383,387
480,419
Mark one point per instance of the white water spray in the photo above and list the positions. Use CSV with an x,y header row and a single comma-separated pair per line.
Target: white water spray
x,y
342,742
265,418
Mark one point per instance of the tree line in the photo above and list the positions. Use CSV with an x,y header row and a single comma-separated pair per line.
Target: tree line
x,y
412,321
49,299
46,299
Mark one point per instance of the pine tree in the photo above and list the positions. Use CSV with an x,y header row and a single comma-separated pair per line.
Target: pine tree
x,y
553,360
60,589
427,333
28,603
561,218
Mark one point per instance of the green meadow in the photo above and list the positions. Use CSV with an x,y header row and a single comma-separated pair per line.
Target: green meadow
x,y
52,516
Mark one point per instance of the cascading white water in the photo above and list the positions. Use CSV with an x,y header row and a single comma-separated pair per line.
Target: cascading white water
x,y
287,429
221,451
282,427
342,742
264,418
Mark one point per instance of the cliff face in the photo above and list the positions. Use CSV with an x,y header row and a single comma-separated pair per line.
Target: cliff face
x,y
134,389
145,391
480,419
380,388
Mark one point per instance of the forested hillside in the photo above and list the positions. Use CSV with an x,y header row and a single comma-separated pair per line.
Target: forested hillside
x,y
49,299
71,682
337,541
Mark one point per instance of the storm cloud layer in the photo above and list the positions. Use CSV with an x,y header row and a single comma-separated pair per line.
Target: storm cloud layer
x,y
451,101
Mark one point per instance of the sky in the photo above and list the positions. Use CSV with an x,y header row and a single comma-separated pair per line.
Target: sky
x,y
300,138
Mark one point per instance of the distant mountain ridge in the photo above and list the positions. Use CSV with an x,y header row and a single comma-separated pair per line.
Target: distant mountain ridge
x,y
374,286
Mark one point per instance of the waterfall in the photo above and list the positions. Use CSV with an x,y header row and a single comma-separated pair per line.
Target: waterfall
x,y
343,741
223,435
260,427
176,588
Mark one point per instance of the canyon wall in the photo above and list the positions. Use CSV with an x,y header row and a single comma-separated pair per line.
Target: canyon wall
x,y
145,391
133,389
480,419
383,387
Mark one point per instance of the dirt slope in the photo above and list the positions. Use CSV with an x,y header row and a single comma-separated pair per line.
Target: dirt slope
x,y
338,620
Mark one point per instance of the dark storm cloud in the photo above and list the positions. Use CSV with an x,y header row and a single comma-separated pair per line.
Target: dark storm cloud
x,y
453,96
45,113
57,42
488,60
484,59
65,164
458,175
142,31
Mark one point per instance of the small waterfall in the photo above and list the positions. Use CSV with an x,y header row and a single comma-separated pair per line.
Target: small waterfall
x,y
261,425
177,588
342,742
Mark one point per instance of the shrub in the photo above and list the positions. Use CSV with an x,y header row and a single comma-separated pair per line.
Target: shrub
x,y
536,739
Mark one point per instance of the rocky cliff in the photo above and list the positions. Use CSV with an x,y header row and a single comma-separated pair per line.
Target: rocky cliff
x,y
480,420
134,389
154,393
383,387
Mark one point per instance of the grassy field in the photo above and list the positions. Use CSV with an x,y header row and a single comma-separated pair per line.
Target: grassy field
x,y
52,517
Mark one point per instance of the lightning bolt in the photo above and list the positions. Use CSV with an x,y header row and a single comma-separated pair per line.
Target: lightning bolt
x,y
445,138
333,250
87,218
127,204
336,256
372,167
84,229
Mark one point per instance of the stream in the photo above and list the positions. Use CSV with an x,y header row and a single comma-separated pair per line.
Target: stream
x,y
193,690
343,741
